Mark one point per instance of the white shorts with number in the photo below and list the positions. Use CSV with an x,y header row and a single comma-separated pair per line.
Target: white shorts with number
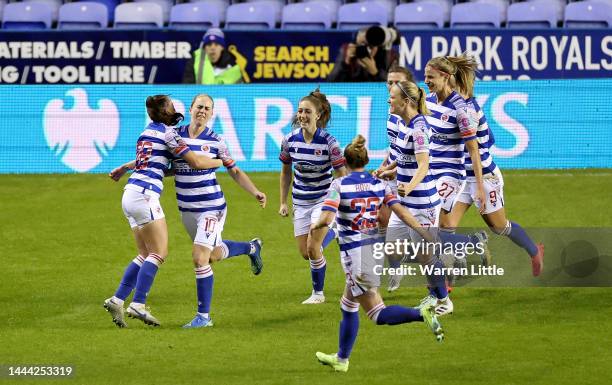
x,y
494,193
449,189
360,274
205,228
140,209
304,216
397,229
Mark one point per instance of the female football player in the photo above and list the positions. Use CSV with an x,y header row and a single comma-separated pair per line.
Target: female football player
x,y
355,199
203,208
156,146
313,152
492,212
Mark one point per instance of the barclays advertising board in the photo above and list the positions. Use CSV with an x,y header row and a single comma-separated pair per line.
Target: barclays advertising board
x,y
65,129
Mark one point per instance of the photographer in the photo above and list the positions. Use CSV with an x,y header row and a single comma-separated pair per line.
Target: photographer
x,y
368,58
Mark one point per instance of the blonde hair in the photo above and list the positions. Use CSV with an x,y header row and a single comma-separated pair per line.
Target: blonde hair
x,y
322,105
203,96
462,68
356,154
415,94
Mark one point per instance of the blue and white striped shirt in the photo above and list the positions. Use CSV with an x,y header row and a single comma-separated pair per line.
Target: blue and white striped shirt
x,y
392,131
152,158
485,141
312,164
452,123
198,190
357,198
414,139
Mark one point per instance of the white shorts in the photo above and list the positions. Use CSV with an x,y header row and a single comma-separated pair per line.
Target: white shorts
x,y
140,209
397,229
358,266
449,189
494,190
393,184
304,216
205,228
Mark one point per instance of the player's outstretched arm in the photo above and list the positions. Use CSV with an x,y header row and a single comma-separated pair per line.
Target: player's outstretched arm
x,y
247,185
326,219
408,219
201,162
118,172
285,183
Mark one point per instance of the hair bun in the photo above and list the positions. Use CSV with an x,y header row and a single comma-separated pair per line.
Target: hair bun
x,y
359,141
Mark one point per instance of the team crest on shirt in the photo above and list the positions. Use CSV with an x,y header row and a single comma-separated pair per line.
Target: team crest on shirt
x,y
318,152
444,118
205,148
82,136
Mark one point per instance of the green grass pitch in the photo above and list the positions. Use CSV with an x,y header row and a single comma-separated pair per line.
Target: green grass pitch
x,y
65,244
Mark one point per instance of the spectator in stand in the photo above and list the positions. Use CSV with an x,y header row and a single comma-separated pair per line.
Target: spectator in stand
x,y
212,63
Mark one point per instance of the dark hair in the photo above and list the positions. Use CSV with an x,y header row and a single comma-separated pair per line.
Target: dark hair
x,y
356,153
322,105
161,110
402,70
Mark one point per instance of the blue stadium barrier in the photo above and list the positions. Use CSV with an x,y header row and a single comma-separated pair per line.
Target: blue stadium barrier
x,y
64,129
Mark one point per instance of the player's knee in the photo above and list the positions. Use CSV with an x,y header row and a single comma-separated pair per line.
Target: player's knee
x,y
313,252
374,313
348,305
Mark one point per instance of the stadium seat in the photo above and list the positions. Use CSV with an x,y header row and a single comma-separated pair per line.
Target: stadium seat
x,y
166,6
557,5
110,5
194,16
532,14
361,15
502,5
475,15
53,4
220,5
331,5
82,15
305,16
26,16
418,15
588,14
388,4
139,15
255,15
441,5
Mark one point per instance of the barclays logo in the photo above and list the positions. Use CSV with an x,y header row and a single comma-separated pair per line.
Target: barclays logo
x,y
81,136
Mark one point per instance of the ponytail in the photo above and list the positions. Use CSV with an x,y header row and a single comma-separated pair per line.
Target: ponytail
x,y
461,71
414,94
466,72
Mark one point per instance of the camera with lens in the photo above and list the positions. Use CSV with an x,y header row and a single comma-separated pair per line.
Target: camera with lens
x,y
361,51
378,36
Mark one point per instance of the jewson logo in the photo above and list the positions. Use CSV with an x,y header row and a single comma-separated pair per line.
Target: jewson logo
x,y
81,136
